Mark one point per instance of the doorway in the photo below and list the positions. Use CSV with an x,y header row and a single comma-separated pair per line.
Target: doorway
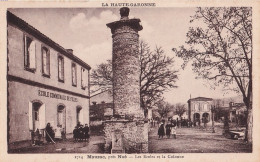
x,y
61,117
36,115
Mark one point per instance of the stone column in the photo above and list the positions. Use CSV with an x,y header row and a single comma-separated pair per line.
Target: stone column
x,y
127,131
126,66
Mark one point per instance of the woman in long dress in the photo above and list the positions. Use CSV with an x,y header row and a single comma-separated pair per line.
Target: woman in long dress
x,y
161,131
168,130
50,133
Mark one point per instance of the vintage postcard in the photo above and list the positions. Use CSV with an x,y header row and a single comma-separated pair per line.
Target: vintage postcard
x,y
126,81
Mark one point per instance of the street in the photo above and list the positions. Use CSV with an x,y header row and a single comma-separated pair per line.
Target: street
x,y
95,145
195,140
189,140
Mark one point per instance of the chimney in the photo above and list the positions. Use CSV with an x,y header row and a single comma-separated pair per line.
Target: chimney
x,y
70,51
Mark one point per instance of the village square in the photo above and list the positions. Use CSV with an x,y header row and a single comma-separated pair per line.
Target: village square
x,y
139,81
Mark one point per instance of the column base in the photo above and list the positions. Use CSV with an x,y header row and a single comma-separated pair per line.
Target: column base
x,y
133,136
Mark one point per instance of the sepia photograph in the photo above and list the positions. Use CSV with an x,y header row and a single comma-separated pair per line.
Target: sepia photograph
x,y
129,80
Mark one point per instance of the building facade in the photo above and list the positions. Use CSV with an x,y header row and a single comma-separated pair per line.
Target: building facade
x,y
102,97
199,109
46,83
101,106
237,113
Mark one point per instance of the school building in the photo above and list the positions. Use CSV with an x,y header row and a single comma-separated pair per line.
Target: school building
x,y
46,83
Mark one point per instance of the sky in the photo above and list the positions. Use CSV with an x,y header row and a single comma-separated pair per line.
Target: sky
x,y
84,30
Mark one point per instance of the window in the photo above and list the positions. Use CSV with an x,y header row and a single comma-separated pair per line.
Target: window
x,y
196,107
205,107
36,115
74,74
79,115
61,117
29,54
60,68
84,78
45,62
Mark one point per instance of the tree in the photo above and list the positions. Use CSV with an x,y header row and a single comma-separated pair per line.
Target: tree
x,y
180,109
164,108
221,51
157,75
101,77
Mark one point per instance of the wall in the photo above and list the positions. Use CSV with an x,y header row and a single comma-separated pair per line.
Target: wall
x,y
135,133
18,105
200,108
16,63
21,93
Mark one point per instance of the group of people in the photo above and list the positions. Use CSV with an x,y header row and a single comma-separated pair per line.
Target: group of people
x,y
81,133
168,130
37,135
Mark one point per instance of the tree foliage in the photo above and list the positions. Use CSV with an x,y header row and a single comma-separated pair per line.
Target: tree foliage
x,y
220,48
164,108
101,77
157,75
180,109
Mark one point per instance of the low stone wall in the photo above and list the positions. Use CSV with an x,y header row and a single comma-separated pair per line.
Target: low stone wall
x,y
135,135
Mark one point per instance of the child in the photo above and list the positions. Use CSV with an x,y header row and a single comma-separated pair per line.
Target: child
x,y
173,131
58,133
38,137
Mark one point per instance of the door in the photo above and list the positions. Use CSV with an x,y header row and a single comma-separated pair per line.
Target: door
x,y
35,115
61,117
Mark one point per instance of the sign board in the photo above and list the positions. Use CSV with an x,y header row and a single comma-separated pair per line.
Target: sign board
x,y
117,142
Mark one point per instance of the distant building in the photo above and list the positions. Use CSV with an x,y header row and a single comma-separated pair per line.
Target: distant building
x,y
101,106
46,83
236,110
104,96
199,108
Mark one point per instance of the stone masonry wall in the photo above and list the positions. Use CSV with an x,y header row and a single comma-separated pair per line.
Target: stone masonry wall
x,y
135,135
126,72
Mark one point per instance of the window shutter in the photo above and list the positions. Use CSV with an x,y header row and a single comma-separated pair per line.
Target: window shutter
x,y
32,55
83,78
48,62
42,117
74,75
59,68
86,78
30,116
25,52
81,116
62,69
44,60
